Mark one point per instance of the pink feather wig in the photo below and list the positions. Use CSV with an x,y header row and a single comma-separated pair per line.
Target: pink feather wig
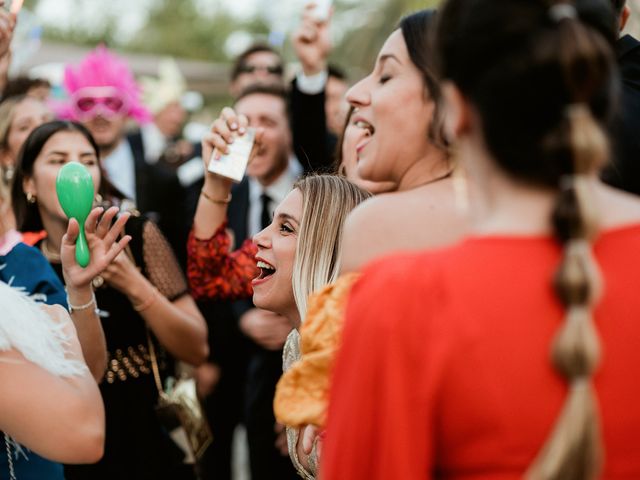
x,y
101,68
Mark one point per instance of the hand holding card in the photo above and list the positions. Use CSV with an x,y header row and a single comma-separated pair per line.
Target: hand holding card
x,y
234,164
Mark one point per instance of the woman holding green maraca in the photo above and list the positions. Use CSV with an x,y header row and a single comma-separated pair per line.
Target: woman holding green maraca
x,y
142,297
26,269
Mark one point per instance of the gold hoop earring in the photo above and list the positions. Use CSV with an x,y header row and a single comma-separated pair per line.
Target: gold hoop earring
x,y
31,198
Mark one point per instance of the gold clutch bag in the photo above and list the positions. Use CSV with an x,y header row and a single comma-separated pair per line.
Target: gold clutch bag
x,y
180,412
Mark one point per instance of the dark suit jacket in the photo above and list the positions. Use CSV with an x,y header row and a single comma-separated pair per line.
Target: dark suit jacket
x,y
313,144
624,171
160,196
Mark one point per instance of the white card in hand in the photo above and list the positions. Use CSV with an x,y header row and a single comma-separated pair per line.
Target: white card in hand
x,y
234,164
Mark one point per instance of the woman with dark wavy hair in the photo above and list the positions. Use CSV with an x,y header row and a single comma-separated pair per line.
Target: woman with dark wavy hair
x,y
143,303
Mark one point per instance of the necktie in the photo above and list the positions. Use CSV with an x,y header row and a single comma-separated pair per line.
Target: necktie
x,y
265,215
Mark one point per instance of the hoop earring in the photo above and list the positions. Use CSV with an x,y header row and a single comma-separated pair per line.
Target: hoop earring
x,y
31,198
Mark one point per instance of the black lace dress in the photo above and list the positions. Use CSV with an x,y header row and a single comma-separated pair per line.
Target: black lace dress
x,y
137,446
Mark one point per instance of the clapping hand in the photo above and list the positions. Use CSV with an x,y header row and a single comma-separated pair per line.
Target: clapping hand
x,y
104,246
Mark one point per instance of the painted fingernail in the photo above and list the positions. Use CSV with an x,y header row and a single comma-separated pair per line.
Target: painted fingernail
x,y
242,130
234,126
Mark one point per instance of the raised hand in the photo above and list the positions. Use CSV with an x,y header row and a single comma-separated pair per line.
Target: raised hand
x,y
223,131
123,275
7,24
312,42
104,246
267,329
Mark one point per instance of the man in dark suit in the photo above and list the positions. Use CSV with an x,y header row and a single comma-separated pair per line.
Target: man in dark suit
x,y
104,99
318,105
624,170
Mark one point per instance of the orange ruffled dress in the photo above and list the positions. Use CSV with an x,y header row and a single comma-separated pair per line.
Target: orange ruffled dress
x,y
302,394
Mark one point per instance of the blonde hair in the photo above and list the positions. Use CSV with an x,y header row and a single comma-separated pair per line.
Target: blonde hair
x,y
326,202
7,109
5,199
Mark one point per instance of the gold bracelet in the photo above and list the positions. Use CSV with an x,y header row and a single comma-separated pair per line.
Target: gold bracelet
x,y
148,302
226,201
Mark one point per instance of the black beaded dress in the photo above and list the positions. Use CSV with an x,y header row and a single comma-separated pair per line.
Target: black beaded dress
x,y
137,446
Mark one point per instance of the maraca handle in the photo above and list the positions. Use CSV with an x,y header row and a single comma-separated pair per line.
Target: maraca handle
x,y
82,250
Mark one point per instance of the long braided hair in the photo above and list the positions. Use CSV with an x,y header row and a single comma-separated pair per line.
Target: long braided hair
x,y
541,75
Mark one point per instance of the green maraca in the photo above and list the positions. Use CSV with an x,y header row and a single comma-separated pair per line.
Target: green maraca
x,y
74,187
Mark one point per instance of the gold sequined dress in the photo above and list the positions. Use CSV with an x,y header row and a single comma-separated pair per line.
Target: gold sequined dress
x,y
302,392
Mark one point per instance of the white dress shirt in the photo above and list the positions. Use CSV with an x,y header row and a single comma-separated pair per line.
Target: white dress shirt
x,y
121,170
154,142
277,191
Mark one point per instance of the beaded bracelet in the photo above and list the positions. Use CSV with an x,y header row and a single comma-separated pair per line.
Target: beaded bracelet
x,y
78,308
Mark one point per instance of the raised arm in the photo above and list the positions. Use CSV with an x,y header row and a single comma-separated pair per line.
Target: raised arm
x,y
211,211
104,246
312,45
214,272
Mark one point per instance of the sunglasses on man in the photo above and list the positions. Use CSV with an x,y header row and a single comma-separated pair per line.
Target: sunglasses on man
x,y
270,69
89,102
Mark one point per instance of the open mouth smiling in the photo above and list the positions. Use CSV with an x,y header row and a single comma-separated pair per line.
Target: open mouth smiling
x,y
266,270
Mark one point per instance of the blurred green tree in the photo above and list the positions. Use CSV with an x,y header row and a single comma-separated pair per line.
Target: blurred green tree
x,y
364,27
180,29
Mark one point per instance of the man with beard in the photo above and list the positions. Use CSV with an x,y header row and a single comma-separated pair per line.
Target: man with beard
x,y
104,97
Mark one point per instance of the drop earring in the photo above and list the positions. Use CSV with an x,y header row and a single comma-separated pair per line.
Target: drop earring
x,y
460,189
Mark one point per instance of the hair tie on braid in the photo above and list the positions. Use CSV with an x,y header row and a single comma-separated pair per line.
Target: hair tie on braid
x,y
562,11
576,350
589,141
575,283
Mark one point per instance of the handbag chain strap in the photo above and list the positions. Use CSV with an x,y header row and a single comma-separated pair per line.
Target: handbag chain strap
x,y
154,365
7,442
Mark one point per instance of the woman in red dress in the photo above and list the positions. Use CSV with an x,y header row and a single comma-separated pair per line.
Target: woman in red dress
x,y
471,362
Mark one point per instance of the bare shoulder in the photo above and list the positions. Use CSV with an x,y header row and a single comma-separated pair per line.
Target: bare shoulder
x,y
362,229
378,207
618,207
422,218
